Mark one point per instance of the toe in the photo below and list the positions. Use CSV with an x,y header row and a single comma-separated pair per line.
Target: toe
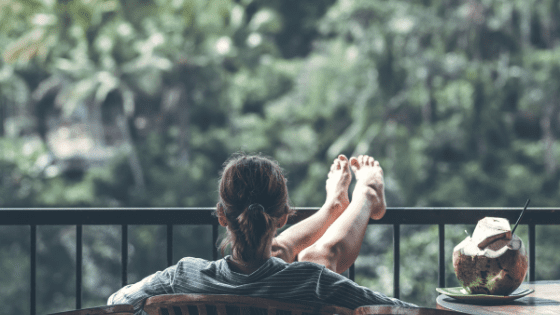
x,y
342,157
354,164
337,163
344,164
361,159
366,160
371,161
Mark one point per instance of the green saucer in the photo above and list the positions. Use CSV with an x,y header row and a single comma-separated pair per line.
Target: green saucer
x,y
461,294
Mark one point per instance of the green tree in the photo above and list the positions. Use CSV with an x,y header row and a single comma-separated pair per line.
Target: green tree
x,y
457,100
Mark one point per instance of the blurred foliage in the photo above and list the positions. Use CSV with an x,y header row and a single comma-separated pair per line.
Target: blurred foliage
x,y
458,100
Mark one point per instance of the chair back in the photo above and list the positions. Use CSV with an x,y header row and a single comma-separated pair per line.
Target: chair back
x,y
387,309
119,309
198,304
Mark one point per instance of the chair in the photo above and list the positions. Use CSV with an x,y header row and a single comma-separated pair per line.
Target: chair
x,y
118,309
386,309
198,304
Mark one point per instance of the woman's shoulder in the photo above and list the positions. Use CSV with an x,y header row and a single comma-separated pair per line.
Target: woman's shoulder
x,y
193,259
194,263
305,265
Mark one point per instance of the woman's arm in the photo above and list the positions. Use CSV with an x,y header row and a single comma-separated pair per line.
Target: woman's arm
x,y
305,233
160,282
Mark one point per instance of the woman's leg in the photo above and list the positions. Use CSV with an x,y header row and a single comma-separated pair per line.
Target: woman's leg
x,y
303,234
340,245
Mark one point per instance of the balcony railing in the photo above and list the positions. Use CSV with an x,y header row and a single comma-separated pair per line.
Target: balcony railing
x,y
202,216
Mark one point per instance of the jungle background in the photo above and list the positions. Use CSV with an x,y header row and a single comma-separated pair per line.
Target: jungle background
x,y
130,103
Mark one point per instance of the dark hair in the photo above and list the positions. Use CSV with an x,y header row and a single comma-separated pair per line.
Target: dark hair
x,y
253,196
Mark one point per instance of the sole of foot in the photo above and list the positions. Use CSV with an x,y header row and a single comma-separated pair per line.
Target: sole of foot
x,y
369,176
338,181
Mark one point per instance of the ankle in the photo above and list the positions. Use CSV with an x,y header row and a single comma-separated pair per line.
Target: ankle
x,y
373,199
336,205
363,190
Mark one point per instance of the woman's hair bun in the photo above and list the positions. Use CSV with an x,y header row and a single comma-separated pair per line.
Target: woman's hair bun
x,y
256,207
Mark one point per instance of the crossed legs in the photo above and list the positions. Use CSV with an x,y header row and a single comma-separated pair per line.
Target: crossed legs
x,y
333,235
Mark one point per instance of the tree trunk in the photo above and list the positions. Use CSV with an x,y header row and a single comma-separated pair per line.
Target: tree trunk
x,y
133,159
2,118
96,123
548,139
175,104
183,111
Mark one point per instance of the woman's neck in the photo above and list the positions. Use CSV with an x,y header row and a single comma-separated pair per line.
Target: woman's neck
x,y
262,255
250,265
243,267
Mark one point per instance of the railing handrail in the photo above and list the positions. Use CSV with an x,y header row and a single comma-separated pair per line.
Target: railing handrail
x,y
203,215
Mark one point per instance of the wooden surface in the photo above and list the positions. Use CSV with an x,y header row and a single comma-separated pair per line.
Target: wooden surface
x,y
122,309
178,304
385,309
545,300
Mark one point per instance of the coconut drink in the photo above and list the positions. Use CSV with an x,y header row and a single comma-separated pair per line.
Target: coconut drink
x,y
492,261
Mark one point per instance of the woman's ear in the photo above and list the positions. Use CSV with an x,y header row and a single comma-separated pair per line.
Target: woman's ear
x,y
221,215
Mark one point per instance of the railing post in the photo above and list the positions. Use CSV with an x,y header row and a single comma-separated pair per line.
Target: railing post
x,y
78,266
33,263
124,254
169,245
396,260
532,252
441,271
214,240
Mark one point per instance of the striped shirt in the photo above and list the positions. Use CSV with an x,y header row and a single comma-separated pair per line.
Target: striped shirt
x,y
298,282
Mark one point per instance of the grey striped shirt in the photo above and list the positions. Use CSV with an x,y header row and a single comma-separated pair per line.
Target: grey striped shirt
x,y
298,281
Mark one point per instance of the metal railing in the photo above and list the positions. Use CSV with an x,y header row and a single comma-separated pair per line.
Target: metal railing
x,y
203,216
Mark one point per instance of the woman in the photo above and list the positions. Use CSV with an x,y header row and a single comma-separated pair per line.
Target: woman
x,y
301,264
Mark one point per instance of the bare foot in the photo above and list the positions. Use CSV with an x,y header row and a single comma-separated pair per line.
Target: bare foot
x,y
369,176
338,181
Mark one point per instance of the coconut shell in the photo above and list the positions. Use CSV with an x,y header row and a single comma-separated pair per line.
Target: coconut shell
x,y
498,268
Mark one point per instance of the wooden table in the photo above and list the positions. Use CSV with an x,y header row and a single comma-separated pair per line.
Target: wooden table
x,y
545,300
